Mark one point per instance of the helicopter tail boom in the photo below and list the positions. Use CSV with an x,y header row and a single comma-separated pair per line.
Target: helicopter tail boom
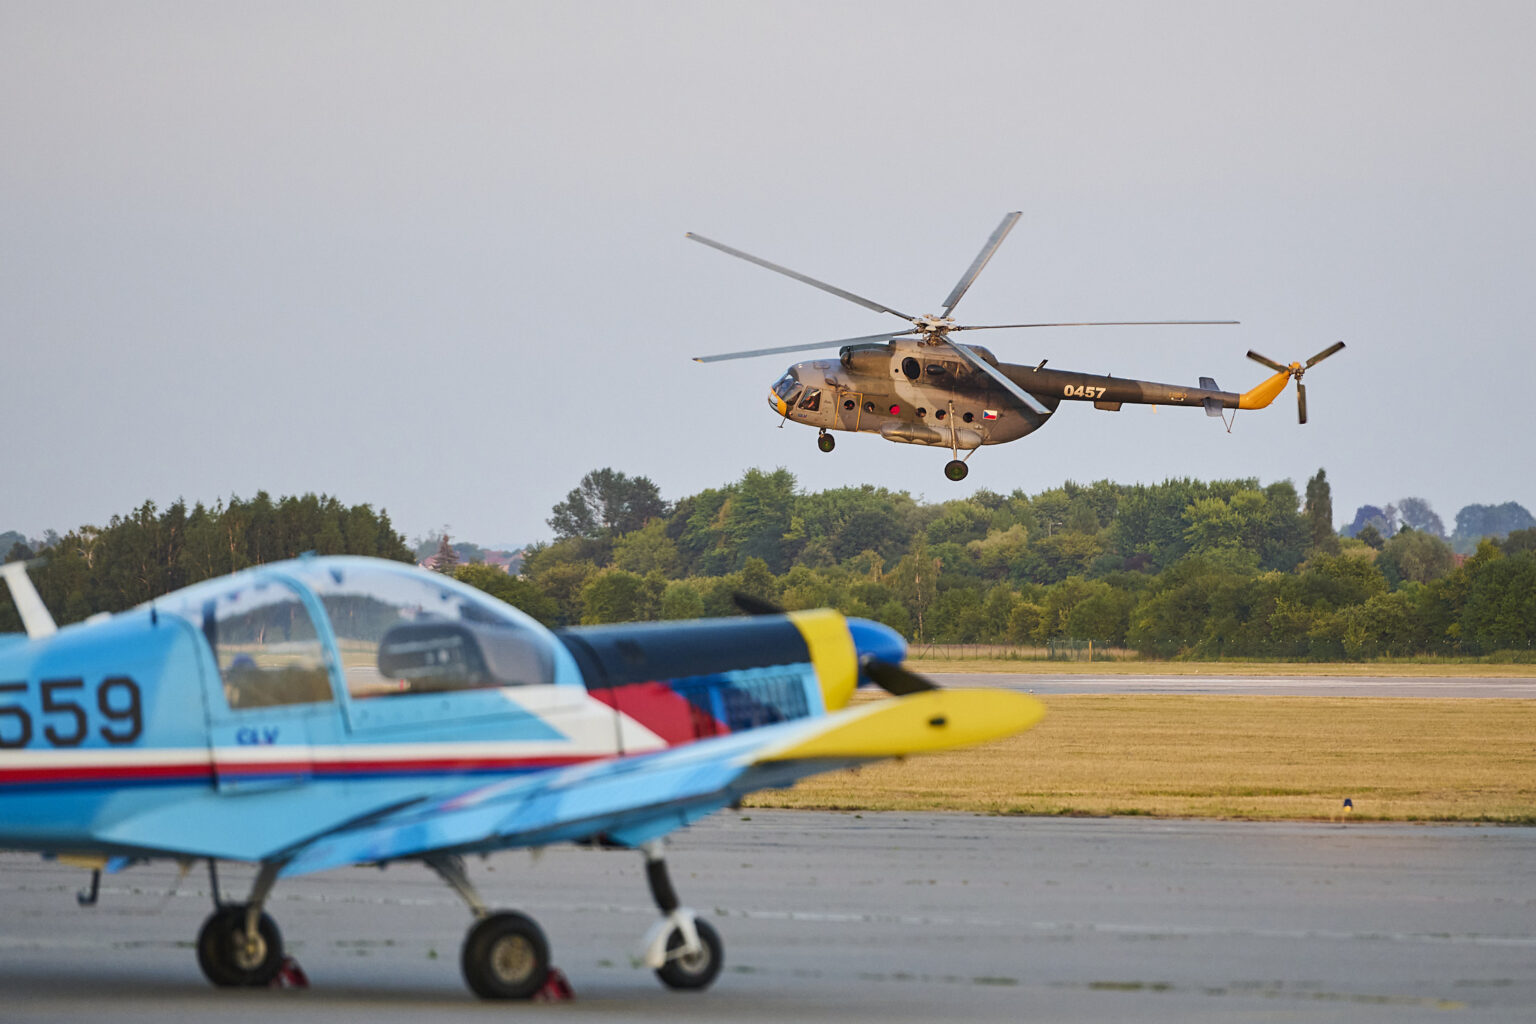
x,y
1259,397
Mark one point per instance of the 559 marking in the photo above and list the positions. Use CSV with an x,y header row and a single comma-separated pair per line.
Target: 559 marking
x,y
1082,391
66,720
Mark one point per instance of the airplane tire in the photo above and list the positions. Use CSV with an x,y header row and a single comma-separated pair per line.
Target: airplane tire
x,y
956,470
505,956
826,442
225,957
698,971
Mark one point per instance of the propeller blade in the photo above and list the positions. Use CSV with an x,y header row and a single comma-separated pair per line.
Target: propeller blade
x,y
868,339
1325,353
1029,402
840,293
751,604
1097,323
1301,402
981,261
895,680
1278,368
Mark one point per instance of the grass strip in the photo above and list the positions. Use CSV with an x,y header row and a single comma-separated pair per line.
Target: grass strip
x,y
1208,756
1137,667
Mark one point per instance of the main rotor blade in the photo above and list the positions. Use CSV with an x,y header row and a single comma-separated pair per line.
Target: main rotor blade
x,y
981,260
895,680
840,293
1325,353
1030,402
868,339
1268,362
1301,402
1097,323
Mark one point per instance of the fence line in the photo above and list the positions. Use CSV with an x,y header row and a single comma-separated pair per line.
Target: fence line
x,y
1053,650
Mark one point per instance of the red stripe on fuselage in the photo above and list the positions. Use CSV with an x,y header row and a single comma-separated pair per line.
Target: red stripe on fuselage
x,y
107,773
662,710
233,769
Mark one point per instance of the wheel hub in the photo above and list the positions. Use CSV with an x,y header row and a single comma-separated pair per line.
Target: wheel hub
x,y
512,958
249,951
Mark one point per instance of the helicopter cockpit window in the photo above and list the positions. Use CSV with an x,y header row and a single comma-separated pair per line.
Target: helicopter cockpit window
x,y
399,633
911,368
264,643
786,384
812,400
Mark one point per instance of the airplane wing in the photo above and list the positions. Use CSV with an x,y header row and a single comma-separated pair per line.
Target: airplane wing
x,y
631,800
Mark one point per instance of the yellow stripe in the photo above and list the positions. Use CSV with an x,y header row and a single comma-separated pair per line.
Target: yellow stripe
x,y
921,722
832,654
1260,396
89,861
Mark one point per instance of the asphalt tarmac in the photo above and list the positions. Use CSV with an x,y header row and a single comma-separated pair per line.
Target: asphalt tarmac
x,y
848,917
1197,681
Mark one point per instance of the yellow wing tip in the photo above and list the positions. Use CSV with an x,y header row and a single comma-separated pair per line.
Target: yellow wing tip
x,y
920,723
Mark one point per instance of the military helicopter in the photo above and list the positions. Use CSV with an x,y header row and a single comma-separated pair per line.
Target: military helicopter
x,y
922,386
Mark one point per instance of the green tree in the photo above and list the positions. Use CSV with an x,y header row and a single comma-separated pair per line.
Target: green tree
x,y
607,503
757,517
682,600
1417,515
614,595
1319,514
1412,556
647,550
563,583
1474,522
518,593
446,559
1500,609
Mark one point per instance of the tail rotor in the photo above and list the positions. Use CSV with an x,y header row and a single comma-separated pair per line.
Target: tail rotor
x,y
1296,370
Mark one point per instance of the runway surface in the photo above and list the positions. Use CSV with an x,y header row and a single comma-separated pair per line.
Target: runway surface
x,y
846,917
1282,686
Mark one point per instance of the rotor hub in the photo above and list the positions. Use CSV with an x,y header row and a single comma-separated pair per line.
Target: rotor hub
x,y
933,326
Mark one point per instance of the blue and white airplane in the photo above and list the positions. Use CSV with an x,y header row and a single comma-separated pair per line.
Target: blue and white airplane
x,y
322,712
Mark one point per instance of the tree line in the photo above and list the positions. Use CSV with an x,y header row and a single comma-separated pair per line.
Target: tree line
x,y
149,552
1226,568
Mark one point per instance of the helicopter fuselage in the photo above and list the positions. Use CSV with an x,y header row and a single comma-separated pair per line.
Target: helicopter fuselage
x,y
912,391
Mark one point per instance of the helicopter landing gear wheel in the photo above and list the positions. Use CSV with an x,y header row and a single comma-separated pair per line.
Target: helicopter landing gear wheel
x,y
692,970
505,956
231,958
826,442
956,470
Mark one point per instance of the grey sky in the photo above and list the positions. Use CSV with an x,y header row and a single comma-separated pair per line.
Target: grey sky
x,y
431,256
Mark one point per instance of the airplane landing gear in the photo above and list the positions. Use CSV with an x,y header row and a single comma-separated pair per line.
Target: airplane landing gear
x,y
505,954
231,958
825,441
239,946
684,970
955,469
685,952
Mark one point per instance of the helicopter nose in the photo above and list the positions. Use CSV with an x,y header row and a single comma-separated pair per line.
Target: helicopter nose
x,y
777,404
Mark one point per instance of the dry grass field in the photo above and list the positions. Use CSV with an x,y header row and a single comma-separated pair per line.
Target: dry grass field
x,y
1136,667
1222,757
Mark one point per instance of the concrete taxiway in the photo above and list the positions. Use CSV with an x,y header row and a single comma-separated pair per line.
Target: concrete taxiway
x,y
847,917
1277,686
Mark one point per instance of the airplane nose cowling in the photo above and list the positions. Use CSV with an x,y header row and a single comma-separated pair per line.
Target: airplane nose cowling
x,y
875,641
